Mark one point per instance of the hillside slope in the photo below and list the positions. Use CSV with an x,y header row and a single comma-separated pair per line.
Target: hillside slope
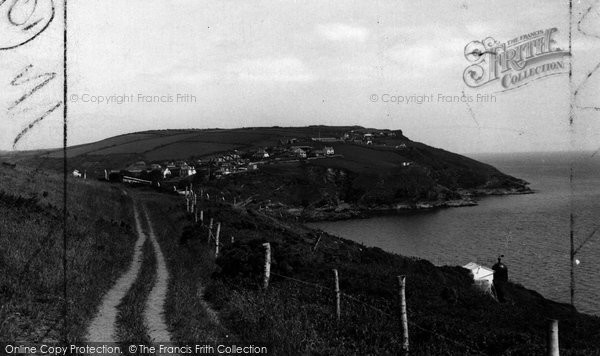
x,y
99,242
392,172
296,313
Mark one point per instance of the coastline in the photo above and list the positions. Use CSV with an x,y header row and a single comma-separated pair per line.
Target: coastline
x,y
304,256
345,211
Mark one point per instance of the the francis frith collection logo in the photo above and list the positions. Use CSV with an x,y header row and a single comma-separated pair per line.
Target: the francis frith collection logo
x,y
514,63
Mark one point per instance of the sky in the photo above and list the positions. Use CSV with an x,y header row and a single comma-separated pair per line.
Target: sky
x,y
207,64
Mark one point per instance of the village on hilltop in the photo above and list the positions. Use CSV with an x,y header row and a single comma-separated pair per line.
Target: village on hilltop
x,y
222,164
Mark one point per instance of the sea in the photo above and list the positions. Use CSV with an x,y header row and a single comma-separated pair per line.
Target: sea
x,y
532,231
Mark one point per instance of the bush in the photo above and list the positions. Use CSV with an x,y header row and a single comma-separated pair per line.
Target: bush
x,y
242,259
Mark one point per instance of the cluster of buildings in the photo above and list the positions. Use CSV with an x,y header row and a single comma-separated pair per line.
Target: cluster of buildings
x,y
228,163
293,151
166,170
235,162
146,173
367,137
241,162
211,166
359,136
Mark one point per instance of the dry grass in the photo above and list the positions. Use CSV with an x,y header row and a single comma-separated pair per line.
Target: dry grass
x,y
130,320
100,243
188,316
453,318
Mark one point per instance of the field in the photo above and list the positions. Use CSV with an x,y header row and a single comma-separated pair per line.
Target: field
x,y
177,150
149,141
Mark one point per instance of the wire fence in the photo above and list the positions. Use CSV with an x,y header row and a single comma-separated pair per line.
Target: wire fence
x,y
471,349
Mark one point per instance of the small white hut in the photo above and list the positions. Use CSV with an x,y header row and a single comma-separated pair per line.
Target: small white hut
x,y
482,276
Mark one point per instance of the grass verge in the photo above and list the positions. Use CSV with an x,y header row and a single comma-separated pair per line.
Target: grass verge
x,y
100,243
130,320
189,317
447,315
295,315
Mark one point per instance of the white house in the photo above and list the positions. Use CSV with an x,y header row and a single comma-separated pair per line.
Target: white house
x,y
187,170
261,153
299,152
483,277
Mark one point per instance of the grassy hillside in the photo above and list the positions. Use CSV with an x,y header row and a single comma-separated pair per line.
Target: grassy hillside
x,y
394,172
220,299
100,242
164,142
160,145
366,180
296,314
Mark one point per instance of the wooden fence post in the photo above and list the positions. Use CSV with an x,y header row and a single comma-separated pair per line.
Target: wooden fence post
x,y
267,268
552,348
217,240
336,282
317,243
209,231
403,314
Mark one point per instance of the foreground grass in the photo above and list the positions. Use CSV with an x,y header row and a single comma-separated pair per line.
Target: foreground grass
x,y
100,243
447,315
188,315
130,320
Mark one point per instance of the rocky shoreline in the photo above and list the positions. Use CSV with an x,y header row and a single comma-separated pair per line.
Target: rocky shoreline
x,y
344,211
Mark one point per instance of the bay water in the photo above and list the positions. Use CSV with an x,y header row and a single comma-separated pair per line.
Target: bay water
x,y
531,230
